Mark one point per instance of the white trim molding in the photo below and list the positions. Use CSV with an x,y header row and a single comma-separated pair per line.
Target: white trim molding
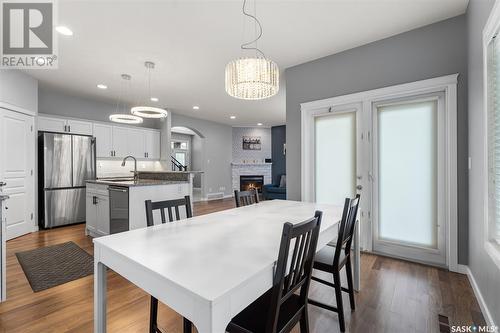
x,y
491,29
446,85
477,292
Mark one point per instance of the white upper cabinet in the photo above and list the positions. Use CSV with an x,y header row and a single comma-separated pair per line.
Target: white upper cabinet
x,y
49,124
61,125
136,143
120,141
79,127
104,140
111,141
152,145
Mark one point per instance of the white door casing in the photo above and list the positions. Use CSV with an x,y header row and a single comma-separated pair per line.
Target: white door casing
x,y
446,85
17,169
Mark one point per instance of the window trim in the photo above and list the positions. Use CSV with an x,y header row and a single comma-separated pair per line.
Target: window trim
x,y
491,29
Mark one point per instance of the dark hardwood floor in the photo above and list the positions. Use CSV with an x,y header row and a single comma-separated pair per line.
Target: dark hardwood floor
x,y
396,296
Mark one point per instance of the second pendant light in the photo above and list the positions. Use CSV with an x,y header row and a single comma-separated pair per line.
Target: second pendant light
x,y
146,111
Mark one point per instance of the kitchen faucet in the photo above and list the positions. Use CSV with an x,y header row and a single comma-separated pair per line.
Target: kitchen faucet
x,y
135,164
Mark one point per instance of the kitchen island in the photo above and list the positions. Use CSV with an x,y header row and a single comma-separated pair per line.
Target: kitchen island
x,y
118,204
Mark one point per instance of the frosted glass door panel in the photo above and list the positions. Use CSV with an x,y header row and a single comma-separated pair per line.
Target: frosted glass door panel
x,y
335,154
407,171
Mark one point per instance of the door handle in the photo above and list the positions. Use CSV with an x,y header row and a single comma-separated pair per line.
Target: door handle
x,y
3,184
359,187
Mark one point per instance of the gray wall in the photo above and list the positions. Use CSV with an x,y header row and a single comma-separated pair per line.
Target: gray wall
x,y
435,50
217,151
56,102
19,89
486,273
259,155
278,134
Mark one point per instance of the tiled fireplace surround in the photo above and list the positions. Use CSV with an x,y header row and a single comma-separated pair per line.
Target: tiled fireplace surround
x,y
250,169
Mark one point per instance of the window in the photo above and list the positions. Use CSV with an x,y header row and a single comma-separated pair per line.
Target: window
x,y
493,121
183,145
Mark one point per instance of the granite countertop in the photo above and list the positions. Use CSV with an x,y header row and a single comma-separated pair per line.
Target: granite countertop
x,y
133,183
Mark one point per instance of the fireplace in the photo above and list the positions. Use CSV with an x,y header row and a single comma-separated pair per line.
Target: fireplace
x,y
248,183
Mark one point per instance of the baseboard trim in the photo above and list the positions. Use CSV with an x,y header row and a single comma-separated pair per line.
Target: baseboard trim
x,y
479,296
223,197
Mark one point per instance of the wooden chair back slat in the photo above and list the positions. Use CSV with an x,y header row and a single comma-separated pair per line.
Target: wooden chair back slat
x,y
346,229
245,198
288,279
168,205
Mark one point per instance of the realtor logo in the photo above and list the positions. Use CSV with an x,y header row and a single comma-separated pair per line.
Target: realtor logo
x,y
28,35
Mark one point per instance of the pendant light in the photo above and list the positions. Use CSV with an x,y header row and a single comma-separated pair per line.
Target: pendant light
x,y
252,78
146,111
124,118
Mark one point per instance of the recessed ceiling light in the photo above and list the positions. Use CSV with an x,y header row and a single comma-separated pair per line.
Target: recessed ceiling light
x,y
233,117
196,107
64,30
259,124
102,86
154,99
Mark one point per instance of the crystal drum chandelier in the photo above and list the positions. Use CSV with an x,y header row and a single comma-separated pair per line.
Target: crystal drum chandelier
x,y
124,118
149,111
252,78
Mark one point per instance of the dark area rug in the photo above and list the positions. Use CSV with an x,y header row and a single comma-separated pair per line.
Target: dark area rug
x,y
51,266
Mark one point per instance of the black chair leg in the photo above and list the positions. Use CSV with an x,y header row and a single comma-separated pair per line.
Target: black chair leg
x,y
338,296
304,321
153,315
187,325
348,270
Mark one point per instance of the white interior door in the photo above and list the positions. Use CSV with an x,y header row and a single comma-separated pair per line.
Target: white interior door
x,y
17,162
409,184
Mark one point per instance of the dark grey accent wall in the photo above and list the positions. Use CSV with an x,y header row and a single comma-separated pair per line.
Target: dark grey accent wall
x,y
278,138
484,269
431,51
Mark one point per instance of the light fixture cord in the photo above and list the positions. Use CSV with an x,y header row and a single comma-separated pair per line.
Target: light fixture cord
x,y
248,45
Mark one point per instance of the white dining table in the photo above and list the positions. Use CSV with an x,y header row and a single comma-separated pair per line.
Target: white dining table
x,y
208,268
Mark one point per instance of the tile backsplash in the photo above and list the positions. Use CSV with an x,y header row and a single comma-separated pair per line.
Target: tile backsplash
x,y
113,168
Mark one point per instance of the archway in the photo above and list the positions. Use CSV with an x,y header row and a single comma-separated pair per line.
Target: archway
x,y
194,156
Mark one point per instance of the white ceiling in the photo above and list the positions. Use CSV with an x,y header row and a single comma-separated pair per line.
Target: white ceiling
x,y
191,42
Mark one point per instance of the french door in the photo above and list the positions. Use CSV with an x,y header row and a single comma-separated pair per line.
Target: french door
x,y
392,152
409,178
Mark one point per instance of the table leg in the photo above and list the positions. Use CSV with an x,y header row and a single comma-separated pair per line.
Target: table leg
x,y
99,297
357,259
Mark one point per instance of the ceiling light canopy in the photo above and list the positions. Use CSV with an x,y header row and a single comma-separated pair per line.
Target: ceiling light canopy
x,y
146,111
154,99
124,118
196,107
102,86
252,78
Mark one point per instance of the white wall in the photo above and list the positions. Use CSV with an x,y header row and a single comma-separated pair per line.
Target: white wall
x,y
484,270
259,155
18,89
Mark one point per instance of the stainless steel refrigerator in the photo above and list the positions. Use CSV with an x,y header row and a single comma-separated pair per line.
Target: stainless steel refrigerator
x,y
65,162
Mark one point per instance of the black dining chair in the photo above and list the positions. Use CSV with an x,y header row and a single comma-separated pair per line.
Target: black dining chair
x,y
285,304
245,198
169,205
332,259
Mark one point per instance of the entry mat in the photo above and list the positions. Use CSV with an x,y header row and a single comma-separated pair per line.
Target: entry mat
x,y
51,266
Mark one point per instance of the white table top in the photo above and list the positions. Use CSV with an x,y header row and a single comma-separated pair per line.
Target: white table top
x,y
212,254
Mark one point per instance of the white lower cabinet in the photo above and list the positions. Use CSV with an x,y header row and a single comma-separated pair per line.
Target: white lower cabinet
x,y
97,210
